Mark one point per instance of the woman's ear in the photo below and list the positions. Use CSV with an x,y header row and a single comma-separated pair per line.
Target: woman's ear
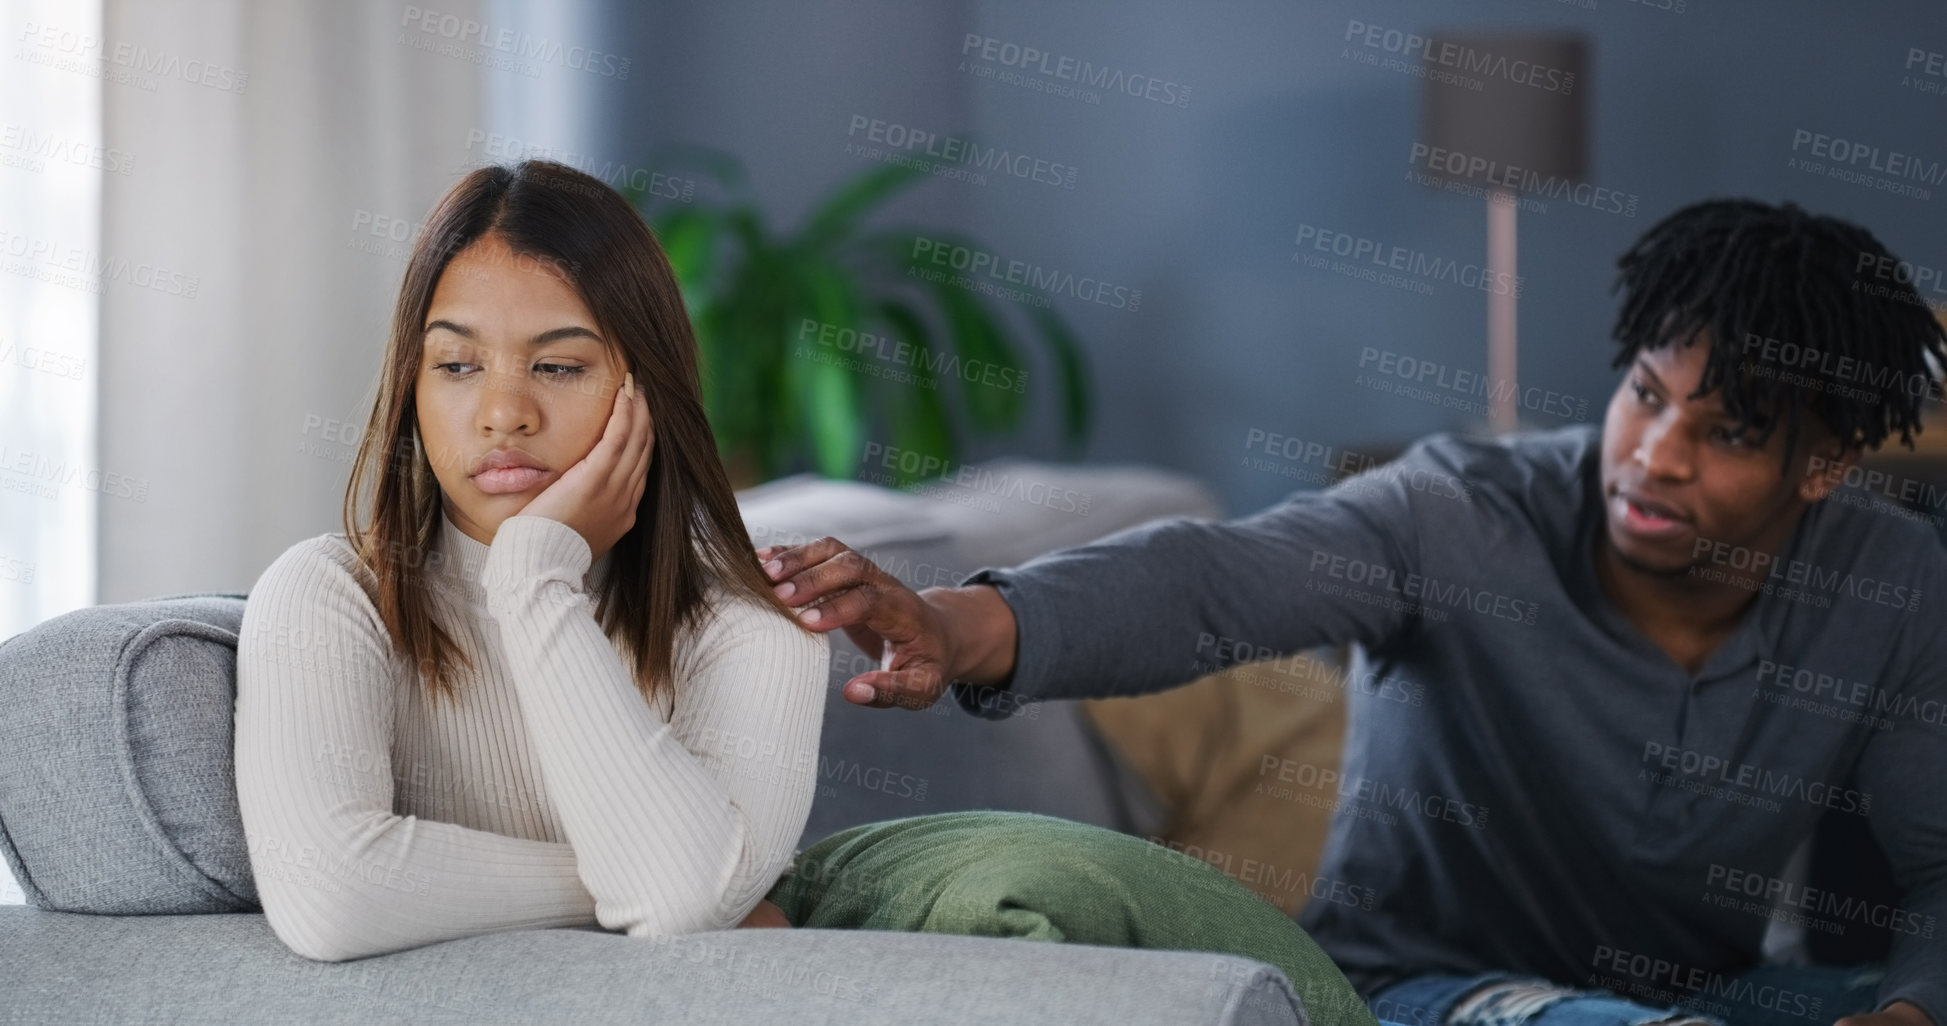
x,y
630,370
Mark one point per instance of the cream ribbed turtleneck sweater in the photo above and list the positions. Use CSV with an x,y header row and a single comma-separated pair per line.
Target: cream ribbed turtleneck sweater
x,y
551,794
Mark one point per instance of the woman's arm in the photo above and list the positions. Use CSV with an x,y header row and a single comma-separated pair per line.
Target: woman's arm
x,y
339,874
678,826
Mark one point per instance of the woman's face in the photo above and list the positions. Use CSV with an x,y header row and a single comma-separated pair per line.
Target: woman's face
x,y
513,367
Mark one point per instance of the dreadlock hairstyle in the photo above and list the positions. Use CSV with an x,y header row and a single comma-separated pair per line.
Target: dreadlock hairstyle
x,y
1795,329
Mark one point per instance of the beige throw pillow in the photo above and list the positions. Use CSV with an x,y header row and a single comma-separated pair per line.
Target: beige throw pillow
x,y
1211,751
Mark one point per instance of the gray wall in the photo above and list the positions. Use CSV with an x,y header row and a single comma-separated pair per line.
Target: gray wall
x,y
1198,206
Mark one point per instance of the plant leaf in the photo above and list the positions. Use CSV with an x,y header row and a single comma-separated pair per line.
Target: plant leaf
x,y
840,214
1072,367
773,400
917,418
987,368
834,415
689,237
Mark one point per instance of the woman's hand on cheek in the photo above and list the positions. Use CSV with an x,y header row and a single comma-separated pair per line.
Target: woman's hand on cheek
x,y
598,495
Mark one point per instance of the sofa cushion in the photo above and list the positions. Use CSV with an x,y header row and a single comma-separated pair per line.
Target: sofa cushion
x,y
117,787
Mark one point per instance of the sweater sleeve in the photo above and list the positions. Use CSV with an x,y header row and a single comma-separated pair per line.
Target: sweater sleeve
x,y
339,874
1159,604
680,825
1902,768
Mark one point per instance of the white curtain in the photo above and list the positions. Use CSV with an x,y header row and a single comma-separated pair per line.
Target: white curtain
x,y
51,169
283,152
237,184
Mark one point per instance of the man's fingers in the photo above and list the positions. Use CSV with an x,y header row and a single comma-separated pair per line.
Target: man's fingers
x,y
913,689
844,609
786,560
842,571
868,640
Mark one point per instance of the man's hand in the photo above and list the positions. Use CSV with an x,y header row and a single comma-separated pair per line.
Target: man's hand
x,y
765,915
833,586
1899,1013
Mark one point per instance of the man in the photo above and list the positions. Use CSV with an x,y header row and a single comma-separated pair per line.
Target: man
x,y
1650,655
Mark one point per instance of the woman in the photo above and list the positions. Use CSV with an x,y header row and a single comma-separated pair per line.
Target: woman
x,y
547,683
527,689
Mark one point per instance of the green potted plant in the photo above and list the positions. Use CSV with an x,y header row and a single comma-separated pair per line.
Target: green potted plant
x,y
818,340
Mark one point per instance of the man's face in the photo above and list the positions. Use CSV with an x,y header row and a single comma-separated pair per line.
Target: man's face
x,y
1679,476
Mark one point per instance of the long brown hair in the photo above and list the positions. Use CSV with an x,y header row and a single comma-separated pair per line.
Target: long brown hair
x,y
688,532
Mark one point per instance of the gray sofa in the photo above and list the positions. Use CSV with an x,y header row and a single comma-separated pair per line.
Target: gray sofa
x,y
115,797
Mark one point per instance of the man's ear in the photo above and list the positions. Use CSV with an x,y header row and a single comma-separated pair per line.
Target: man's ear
x,y
1826,468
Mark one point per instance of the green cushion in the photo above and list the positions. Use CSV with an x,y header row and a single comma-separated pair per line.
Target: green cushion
x,y
1035,877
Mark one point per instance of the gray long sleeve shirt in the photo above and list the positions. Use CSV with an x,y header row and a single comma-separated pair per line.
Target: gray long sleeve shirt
x,y
1529,783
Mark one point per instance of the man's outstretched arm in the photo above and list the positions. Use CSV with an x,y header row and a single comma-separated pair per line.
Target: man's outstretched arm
x,y
1141,610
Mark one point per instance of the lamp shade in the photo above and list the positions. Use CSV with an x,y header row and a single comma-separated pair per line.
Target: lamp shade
x,y
1512,106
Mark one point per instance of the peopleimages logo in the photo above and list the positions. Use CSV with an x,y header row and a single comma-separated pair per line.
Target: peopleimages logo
x,y
12,569
1266,875
1928,284
1818,900
1666,982
947,475
1743,779
1216,653
1423,590
1835,697
47,361
1460,57
35,148
954,150
513,43
1864,165
1855,154
1372,794
495,147
1473,167
134,61
1359,252
1825,371
1926,71
81,268
1796,579
1335,461
1031,61
898,351
1899,488
978,266
1380,365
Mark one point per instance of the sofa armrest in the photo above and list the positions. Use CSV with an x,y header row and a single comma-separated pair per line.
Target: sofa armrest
x,y
230,968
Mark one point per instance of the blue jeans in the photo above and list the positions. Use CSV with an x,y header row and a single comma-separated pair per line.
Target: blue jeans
x,y
1771,995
